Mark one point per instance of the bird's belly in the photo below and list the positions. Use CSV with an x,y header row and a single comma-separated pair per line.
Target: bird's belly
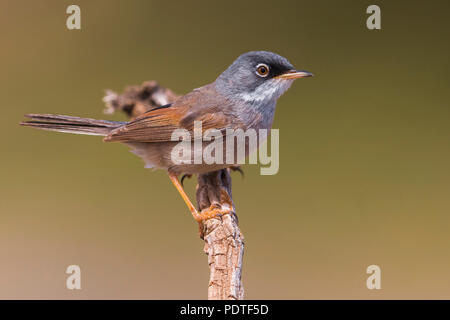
x,y
200,157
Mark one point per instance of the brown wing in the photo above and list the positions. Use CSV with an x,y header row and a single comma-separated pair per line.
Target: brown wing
x,y
158,124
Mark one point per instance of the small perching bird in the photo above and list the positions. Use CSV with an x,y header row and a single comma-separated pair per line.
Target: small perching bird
x,y
243,97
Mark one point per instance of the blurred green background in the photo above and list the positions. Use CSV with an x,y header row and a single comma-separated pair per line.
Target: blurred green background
x,y
364,156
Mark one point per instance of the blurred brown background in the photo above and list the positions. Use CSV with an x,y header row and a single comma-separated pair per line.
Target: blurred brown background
x,y
364,157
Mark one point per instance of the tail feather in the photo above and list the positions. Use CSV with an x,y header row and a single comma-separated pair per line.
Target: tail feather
x,y
70,124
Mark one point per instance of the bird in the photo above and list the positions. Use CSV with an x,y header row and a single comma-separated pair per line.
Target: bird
x,y
244,96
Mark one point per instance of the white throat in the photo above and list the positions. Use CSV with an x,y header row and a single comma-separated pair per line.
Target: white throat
x,y
270,90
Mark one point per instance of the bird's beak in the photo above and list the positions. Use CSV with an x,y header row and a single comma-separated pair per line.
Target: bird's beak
x,y
294,74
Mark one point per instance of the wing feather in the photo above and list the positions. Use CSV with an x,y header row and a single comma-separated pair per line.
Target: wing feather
x,y
157,125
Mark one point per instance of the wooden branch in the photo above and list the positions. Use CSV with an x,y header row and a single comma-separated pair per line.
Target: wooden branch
x,y
224,242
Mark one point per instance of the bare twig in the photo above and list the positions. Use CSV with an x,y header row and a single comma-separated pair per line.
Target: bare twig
x,y
224,242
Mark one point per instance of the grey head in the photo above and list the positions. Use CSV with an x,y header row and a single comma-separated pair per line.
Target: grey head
x,y
258,77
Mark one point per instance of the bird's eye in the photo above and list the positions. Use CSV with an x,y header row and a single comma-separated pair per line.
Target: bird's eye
x,y
262,70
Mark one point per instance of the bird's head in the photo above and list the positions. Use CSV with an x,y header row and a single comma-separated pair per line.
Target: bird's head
x,y
258,77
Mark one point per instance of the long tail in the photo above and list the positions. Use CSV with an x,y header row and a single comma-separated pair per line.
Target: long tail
x,y
70,124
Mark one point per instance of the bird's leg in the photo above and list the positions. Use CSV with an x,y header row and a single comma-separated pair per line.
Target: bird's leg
x,y
205,214
177,184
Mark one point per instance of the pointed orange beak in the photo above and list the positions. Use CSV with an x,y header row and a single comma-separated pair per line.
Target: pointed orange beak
x,y
294,74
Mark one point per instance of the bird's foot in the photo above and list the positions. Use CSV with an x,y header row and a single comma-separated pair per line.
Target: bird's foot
x,y
213,211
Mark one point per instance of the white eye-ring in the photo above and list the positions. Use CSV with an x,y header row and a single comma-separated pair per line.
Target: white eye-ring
x,y
262,70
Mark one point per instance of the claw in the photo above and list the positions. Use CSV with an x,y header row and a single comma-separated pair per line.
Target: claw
x,y
238,169
213,211
185,176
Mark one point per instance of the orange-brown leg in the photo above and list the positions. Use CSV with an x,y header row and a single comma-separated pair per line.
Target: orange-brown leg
x,y
205,214
177,184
